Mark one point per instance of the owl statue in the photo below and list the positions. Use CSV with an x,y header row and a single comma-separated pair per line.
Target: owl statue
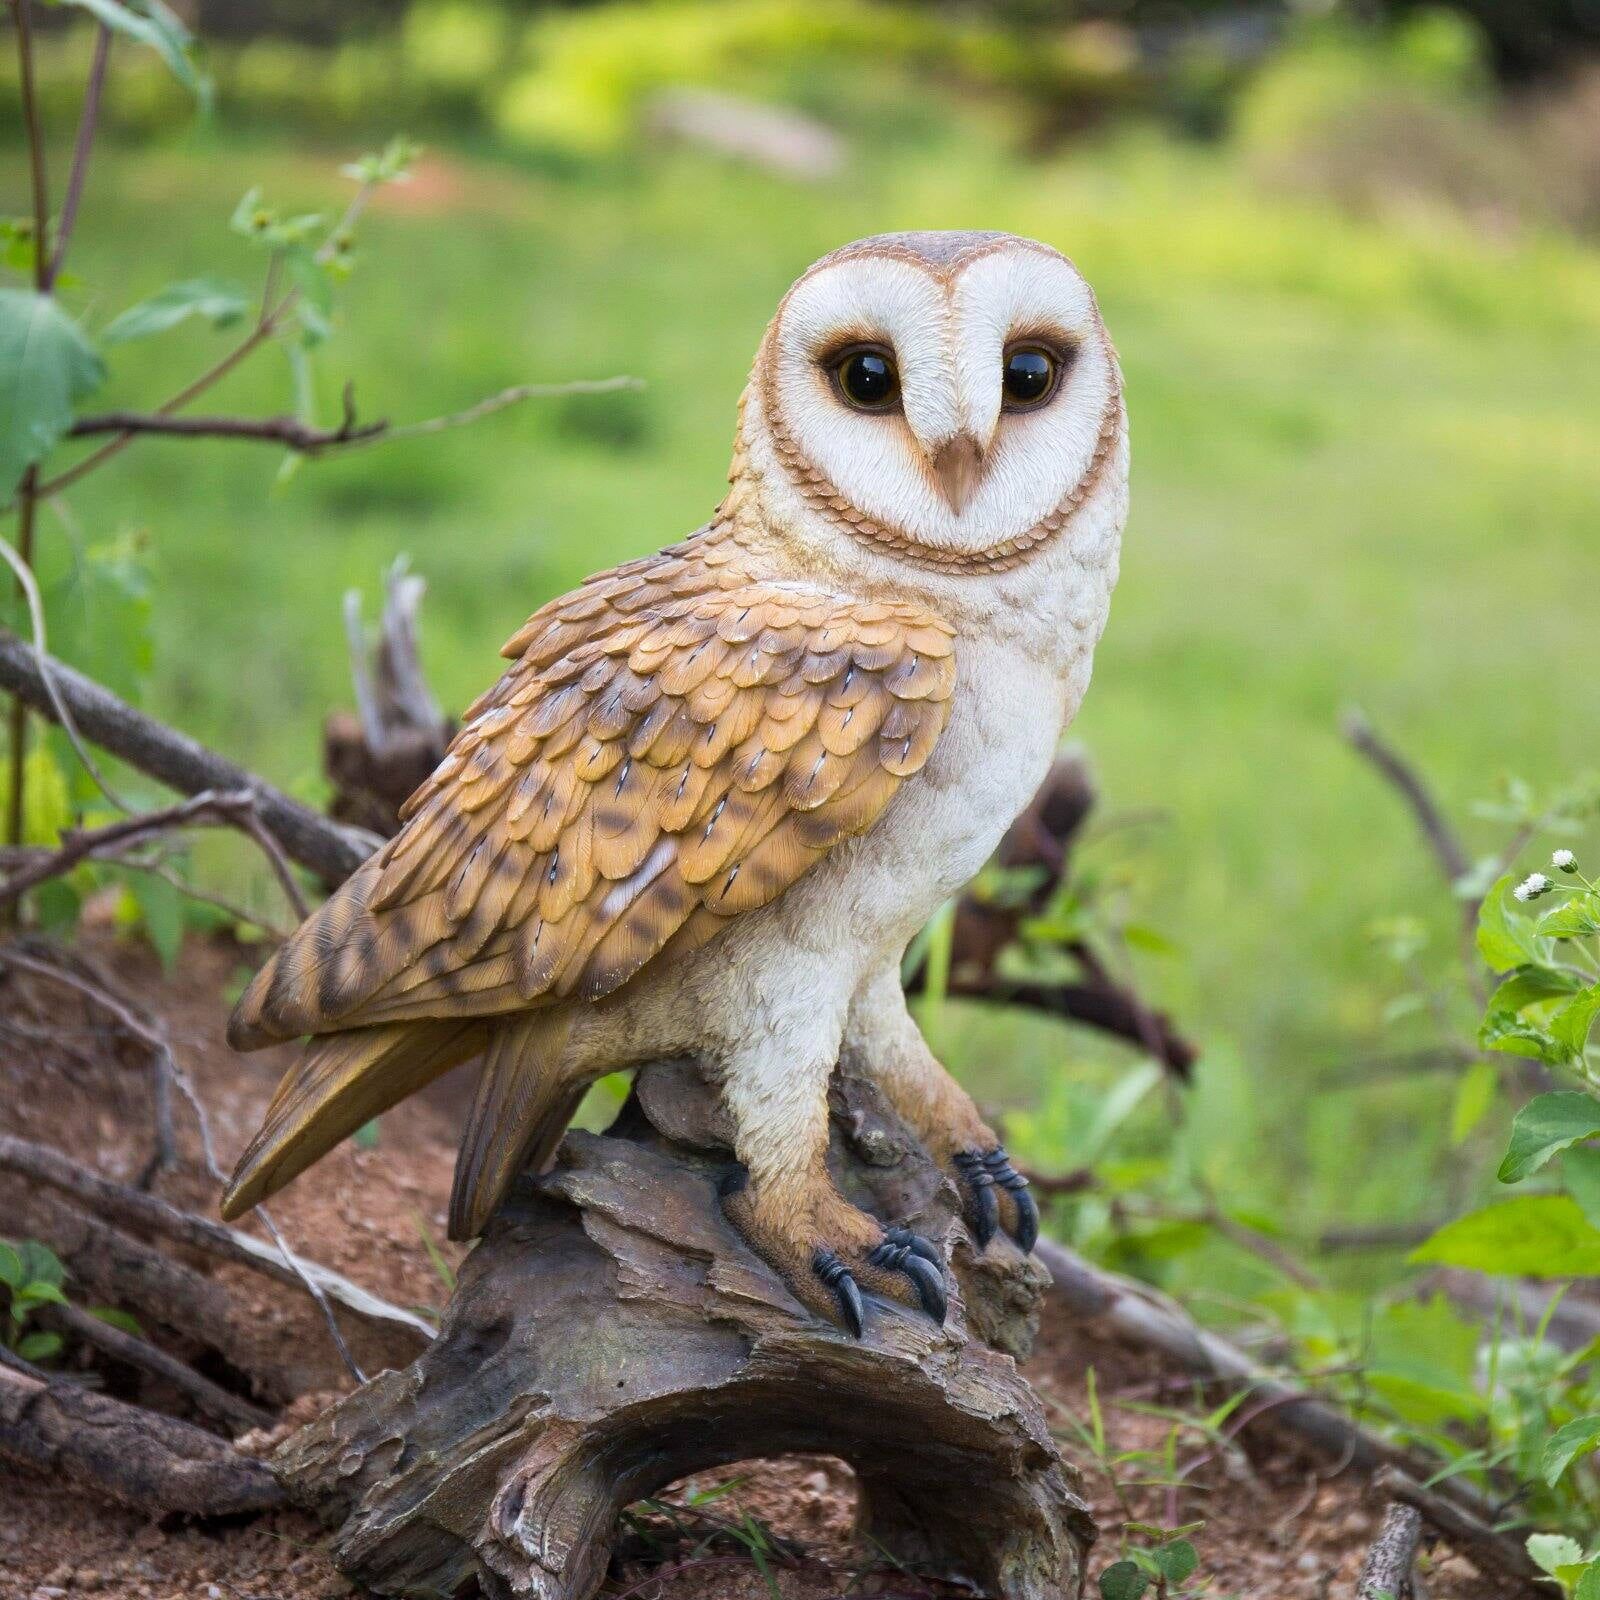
x,y
718,790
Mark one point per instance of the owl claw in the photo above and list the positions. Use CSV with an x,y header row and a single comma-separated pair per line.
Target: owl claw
x,y
983,1172
904,1251
836,1276
983,1207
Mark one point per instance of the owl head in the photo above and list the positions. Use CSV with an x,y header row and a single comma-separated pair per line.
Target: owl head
x,y
951,398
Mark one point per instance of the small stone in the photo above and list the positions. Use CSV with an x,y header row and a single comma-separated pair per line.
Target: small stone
x,y
1308,1563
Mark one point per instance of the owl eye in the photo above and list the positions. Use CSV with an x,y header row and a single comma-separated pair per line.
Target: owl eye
x,y
1029,376
868,379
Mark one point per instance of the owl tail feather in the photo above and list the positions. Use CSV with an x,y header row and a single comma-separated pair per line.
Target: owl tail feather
x,y
521,1109
342,1081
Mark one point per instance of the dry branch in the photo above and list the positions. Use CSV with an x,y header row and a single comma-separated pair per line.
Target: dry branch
x,y
154,1463
1447,848
1042,838
149,1214
1494,1554
288,433
1141,1318
178,761
1387,1572
208,1398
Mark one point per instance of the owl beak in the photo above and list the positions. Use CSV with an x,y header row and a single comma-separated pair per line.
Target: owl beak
x,y
957,470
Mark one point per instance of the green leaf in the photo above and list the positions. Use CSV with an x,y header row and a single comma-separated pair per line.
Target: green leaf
x,y
1589,1584
41,1263
1529,986
1505,936
34,1294
1580,1169
1177,1560
1553,1550
154,24
366,1136
1571,1024
116,1317
1123,1581
1508,1033
160,914
1566,1444
218,301
1545,1126
1474,1096
1578,918
46,364
39,1346
12,1272
1542,1236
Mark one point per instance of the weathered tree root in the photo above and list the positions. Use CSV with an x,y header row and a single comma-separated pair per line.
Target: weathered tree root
x,y
612,1334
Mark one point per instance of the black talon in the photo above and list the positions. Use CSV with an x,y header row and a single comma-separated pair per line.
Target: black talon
x,y
903,1251
980,1185
998,1165
837,1276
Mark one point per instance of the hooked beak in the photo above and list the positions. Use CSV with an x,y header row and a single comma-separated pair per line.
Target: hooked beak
x,y
957,468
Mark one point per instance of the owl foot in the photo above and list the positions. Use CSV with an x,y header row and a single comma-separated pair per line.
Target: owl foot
x,y
995,1193
841,1259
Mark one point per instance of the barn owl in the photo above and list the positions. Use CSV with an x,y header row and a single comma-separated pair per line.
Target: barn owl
x,y
719,789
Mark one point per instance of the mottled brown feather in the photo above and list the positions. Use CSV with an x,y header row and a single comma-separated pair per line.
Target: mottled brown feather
x,y
675,743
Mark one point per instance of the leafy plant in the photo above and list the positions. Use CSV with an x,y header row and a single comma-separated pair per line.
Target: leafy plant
x,y
32,1276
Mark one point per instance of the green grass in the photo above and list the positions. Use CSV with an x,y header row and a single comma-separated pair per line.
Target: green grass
x,y
1365,470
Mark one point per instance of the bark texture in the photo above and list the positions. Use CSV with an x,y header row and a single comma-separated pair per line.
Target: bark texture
x,y
611,1334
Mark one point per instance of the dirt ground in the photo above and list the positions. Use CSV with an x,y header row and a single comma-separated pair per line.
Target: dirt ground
x,y
1275,1529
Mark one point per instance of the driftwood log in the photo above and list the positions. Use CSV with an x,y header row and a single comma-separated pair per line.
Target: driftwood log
x,y
611,1334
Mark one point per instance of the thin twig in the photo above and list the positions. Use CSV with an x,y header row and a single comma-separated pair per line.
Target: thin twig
x,y
208,1397
291,1260
235,809
327,848
23,570
287,432
23,12
511,397
1442,840
1387,1572
150,1215
168,1072
80,150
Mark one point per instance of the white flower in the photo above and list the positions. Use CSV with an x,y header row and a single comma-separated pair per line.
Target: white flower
x,y
1564,859
1531,887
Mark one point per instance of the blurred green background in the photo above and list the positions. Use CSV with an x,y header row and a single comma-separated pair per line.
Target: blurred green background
x,y
1349,260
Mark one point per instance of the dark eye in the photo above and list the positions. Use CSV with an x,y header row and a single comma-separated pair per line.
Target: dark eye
x,y
868,379
1029,376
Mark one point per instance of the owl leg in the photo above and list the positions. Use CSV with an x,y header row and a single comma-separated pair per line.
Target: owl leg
x,y
832,1256
883,1040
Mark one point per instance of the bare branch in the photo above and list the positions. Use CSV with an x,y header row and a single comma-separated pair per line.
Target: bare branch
x,y
157,1464
1473,1534
209,1398
1140,1317
148,1214
1386,1574
1453,860
331,851
115,839
81,147
511,397
287,432
22,13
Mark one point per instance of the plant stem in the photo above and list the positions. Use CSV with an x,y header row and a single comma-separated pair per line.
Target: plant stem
x,y
22,12
28,490
80,152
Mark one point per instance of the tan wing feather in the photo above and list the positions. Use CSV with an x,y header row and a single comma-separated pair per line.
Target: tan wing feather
x,y
675,744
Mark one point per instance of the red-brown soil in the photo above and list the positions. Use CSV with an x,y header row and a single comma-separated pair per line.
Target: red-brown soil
x,y
1274,1528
